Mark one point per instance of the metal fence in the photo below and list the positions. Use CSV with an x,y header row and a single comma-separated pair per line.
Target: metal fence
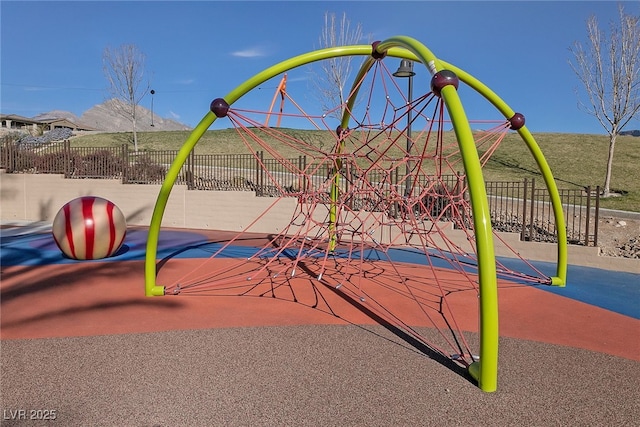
x,y
526,209
86,162
515,206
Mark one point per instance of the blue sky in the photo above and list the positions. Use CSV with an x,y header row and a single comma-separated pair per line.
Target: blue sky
x,y
51,56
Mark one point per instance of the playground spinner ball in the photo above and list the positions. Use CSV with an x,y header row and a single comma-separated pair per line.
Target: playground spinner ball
x,y
89,228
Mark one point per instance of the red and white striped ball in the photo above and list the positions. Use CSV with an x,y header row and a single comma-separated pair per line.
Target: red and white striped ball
x,y
89,228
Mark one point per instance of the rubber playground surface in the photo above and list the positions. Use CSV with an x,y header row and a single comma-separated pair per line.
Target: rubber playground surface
x,y
80,338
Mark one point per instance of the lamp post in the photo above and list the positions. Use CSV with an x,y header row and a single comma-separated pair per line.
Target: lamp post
x,y
406,70
152,93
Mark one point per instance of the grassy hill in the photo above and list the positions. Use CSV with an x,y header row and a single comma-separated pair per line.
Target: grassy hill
x,y
576,160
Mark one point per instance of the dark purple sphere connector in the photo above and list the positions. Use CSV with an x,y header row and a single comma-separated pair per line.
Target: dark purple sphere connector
x,y
219,107
374,53
340,131
443,78
517,121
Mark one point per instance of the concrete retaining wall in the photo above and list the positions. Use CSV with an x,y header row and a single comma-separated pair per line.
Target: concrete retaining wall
x,y
38,197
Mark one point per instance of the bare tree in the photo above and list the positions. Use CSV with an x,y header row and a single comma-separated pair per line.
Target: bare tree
x,y
609,69
124,69
330,84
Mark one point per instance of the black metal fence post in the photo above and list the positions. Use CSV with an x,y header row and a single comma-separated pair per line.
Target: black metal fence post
x,y
259,173
523,233
597,217
190,172
125,163
66,156
586,226
9,153
533,203
305,164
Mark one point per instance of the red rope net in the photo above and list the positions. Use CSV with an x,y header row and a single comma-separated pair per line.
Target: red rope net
x,y
396,239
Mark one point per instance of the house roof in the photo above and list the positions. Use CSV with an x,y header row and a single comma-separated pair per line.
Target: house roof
x,y
57,122
17,118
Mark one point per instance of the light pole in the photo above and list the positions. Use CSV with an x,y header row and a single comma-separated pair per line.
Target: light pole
x,y
152,93
406,70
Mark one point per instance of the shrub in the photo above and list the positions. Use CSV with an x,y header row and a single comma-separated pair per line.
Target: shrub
x,y
145,170
98,164
49,162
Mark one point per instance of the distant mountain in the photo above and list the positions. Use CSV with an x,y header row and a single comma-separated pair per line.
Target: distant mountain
x,y
635,132
103,117
58,114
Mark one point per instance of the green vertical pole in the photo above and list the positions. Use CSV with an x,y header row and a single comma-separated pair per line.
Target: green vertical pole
x,y
485,371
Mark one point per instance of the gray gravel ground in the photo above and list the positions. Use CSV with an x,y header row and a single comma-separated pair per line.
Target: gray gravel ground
x,y
305,376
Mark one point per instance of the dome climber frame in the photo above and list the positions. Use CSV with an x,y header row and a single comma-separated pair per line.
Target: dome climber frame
x,y
445,79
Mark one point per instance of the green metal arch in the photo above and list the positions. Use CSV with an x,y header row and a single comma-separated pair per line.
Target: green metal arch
x,y
485,369
560,278
151,288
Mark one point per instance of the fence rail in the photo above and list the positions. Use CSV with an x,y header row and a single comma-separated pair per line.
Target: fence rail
x,y
518,207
